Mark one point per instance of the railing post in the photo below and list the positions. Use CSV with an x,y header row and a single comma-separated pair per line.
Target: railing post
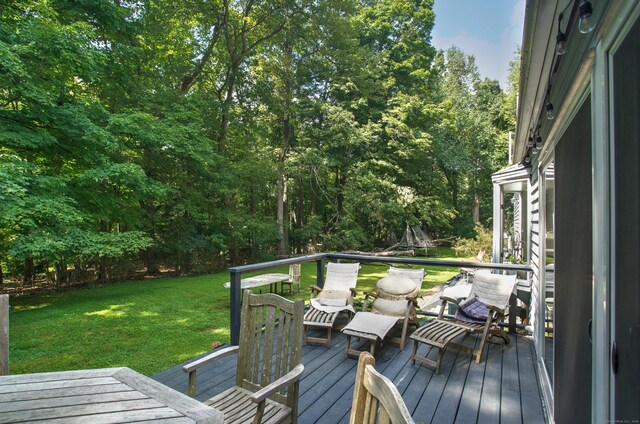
x,y
4,334
234,302
320,272
513,313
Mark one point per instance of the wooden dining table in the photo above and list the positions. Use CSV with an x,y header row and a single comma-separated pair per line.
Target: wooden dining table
x,y
97,396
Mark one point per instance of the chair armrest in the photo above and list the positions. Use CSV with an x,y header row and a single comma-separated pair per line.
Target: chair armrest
x,y
370,294
449,299
192,366
315,288
353,291
365,304
290,377
498,311
412,300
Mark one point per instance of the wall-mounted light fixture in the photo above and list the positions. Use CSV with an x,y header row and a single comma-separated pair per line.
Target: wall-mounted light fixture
x,y
586,22
561,39
538,140
549,110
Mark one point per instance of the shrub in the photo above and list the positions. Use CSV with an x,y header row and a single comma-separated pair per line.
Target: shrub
x,y
483,240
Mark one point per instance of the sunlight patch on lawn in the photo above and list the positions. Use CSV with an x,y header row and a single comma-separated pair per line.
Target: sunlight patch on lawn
x,y
149,314
114,311
19,308
184,322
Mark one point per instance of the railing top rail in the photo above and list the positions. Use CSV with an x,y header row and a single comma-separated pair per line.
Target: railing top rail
x,y
432,262
276,263
385,259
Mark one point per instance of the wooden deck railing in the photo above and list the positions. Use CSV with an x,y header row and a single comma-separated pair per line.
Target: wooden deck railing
x,y
237,271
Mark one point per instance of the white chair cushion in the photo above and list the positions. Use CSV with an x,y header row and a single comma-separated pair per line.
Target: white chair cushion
x,y
396,284
493,289
396,308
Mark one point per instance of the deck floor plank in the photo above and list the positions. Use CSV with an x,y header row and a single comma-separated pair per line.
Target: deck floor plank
x,y
529,388
503,386
471,393
489,412
447,409
510,409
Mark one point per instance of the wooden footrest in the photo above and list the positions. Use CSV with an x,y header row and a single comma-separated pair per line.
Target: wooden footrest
x,y
374,339
438,333
317,318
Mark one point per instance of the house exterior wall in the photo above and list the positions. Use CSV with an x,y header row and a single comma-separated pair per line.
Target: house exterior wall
x,y
584,71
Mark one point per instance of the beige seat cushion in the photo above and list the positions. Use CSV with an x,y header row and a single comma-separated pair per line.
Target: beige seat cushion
x,y
396,285
334,294
396,308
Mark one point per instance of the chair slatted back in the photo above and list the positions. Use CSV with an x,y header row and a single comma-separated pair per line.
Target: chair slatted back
x,y
294,274
265,356
341,277
493,289
375,398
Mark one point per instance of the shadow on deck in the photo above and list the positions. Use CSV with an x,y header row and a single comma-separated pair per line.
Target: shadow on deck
x,y
502,388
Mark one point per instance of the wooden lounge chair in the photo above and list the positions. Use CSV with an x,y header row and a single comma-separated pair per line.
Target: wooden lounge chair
x,y
394,303
492,290
267,377
335,297
294,279
375,398
382,292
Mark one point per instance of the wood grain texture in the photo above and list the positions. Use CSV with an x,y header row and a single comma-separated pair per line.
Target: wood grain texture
x,y
327,385
376,399
269,362
96,396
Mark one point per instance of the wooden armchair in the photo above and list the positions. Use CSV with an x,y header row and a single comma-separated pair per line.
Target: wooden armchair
x,y
375,398
294,279
269,363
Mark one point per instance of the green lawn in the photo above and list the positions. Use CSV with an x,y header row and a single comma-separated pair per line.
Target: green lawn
x,y
146,325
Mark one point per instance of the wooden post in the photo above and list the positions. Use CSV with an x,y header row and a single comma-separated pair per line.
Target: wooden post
x,y
320,272
4,334
235,302
498,222
513,313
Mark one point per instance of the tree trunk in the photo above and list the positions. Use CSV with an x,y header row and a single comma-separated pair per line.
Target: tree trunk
x,y
60,268
475,213
340,182
280,200
102,271
226,107
27,276
151,262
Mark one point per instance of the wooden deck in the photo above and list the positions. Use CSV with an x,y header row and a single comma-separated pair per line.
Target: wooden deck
x,y
502,388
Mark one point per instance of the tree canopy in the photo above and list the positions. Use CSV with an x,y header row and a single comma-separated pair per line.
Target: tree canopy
x,y
190,135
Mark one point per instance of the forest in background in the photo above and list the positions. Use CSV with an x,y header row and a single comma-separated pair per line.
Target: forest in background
x,y
190,135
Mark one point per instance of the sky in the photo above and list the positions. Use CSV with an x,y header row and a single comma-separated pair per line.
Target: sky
x,y
490,30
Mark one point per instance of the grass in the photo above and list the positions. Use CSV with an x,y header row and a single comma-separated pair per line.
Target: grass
x,y
146,325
